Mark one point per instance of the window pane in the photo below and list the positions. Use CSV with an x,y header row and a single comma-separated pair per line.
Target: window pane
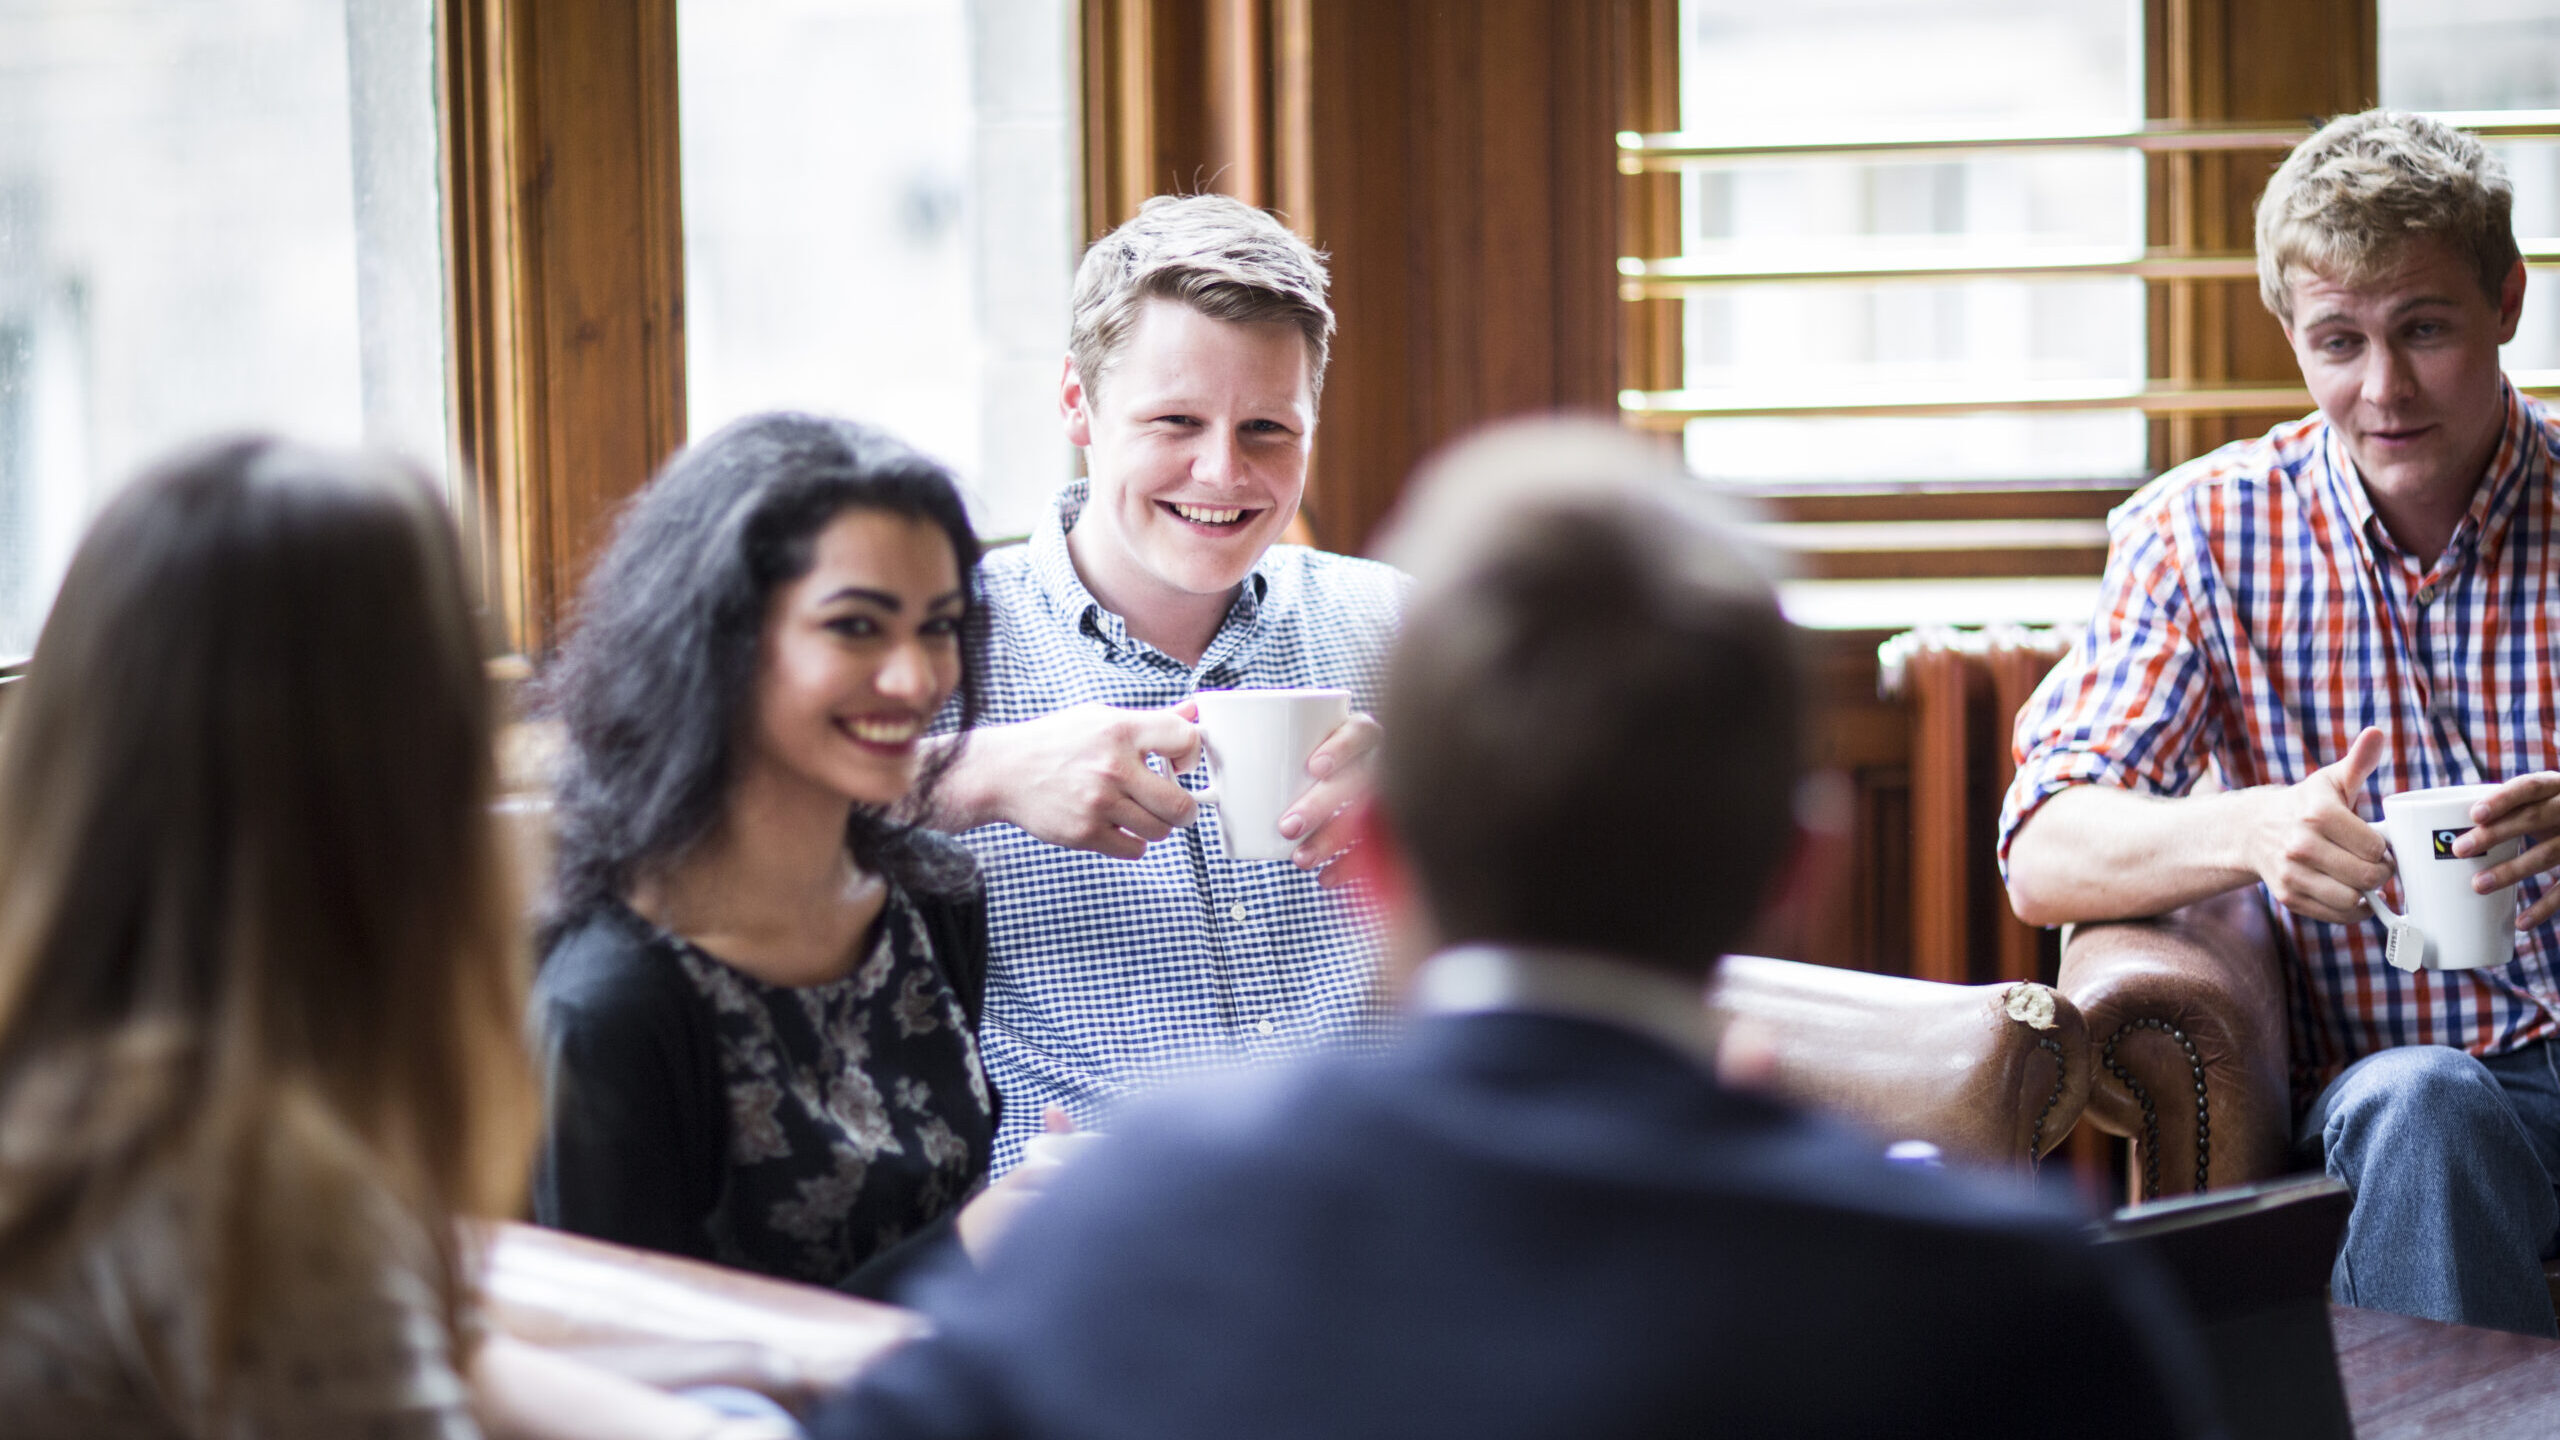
x,y
212,217
1846,67
2491,55
877,224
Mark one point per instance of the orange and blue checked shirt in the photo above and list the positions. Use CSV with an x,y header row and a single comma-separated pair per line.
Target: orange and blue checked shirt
x,y
2254,617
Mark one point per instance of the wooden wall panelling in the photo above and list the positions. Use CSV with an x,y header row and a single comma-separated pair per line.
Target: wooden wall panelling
x,y
564,222
1239,37
1864,737
1457,163
1118,118
1178,100
1645,41
2284,60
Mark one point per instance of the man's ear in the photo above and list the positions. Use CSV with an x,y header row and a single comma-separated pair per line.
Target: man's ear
x,y
1802,888
1075,405
1378,861
2511,301
1375,859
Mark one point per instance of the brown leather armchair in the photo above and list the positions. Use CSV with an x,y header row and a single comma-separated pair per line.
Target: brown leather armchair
x,y
1990,1074
2187,1015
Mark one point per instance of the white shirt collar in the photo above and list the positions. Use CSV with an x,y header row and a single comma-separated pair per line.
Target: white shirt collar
x,y
1476,978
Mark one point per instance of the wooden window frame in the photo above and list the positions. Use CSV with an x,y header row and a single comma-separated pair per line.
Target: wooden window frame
x,y
1388,135
2204,60
565,282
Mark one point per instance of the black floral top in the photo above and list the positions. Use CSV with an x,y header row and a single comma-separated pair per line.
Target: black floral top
x,y
823,1133
858,1110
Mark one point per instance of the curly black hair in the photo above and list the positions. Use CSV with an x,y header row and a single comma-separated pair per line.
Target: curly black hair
x,y
655,686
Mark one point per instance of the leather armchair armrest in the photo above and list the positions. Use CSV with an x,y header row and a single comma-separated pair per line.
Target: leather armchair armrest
x,y
1992,1074
2187,1014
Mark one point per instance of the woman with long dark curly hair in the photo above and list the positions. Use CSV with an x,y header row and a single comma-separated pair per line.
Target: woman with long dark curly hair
x,y
762,978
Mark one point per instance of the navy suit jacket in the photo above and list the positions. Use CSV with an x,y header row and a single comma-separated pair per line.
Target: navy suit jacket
x,y
1525,1225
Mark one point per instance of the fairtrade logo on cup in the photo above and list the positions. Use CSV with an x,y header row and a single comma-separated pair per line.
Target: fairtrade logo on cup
x,y
2447,926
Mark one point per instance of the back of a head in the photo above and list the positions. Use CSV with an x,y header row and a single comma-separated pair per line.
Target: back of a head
x,y
1592,714
2349,201
1214,253
244,844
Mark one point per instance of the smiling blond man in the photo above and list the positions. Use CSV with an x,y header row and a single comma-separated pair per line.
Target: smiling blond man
x,y
1128,944
2360,602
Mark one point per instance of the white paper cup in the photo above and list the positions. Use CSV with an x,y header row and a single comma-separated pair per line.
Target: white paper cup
x,y
2446,926
1258,744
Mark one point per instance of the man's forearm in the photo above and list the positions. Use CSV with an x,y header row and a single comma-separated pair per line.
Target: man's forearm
x,y
960,800
2094,852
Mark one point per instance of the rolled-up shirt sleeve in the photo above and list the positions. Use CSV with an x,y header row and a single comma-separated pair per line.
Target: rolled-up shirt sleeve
x,y
2133,704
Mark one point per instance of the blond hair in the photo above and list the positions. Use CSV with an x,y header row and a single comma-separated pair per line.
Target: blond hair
x,y
257,936
1216,254
2349,201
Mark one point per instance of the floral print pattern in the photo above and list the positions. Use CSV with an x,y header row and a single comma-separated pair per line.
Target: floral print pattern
x,y
858,1109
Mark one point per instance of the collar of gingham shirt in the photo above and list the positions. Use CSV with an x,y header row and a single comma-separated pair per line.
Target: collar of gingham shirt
x,y
1107,976
2254,617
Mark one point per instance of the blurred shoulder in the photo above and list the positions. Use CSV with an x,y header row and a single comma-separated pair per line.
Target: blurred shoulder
x,y
1322,580
608,959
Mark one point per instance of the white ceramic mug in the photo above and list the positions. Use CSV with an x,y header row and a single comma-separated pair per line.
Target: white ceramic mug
x,y
1258,742
2447,926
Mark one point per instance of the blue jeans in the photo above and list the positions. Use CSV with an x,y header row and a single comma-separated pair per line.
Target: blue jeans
x,y
2452,1160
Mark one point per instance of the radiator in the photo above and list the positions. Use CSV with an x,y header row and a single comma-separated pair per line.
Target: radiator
x,y
1964,688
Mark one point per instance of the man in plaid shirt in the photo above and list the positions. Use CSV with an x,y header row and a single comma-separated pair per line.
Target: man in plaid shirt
x,y
1126,943
2360,602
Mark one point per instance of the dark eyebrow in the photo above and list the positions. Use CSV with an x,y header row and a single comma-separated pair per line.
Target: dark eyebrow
x,y
892,603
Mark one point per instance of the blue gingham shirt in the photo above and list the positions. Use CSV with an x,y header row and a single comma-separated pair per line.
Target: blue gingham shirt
x,y
2254,617
1107,976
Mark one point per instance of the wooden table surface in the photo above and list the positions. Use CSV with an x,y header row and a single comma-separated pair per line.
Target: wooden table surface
x,y
2406,1378
659,1318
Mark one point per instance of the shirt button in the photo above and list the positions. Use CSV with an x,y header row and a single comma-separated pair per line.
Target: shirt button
x,y
1265,1026
1236,913
2426,594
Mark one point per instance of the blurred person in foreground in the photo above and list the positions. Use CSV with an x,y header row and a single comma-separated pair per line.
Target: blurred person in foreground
x,y
1539,1213
261,990
2357,603
1127,943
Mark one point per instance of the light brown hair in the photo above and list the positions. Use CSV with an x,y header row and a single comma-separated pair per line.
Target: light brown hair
x,y
2349,201
1593,718
255,932
1216,254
